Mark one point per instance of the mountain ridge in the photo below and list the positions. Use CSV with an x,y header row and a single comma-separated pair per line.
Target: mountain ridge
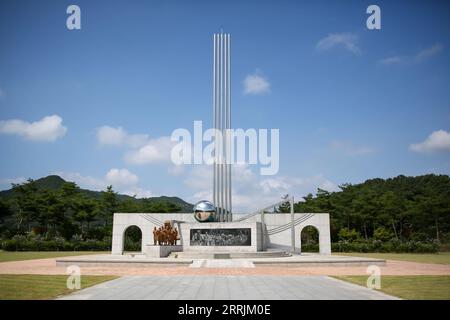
x,y
54,182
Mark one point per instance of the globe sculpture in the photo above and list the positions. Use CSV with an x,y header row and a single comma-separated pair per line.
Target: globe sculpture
x,y
204,211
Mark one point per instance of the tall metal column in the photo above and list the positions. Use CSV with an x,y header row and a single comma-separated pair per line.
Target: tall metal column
x,y
228,125
292,225
215,116
222,123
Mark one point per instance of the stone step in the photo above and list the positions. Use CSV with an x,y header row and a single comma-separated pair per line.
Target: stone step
x,y
221,263
228,255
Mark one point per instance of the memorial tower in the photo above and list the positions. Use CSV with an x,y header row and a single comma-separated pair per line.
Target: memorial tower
x,y
222,123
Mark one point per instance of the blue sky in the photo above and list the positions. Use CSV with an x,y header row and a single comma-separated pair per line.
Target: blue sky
x,y
351,103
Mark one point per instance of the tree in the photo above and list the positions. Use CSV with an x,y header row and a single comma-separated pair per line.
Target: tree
x,y
4,209
49,210
86,212
109,204
285,207
129,205
26,203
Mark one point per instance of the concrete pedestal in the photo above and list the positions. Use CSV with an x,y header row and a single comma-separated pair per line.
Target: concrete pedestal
x,y
152,251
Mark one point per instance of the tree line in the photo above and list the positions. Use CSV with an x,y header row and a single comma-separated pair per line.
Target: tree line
x,y
401,208
401,213
67,211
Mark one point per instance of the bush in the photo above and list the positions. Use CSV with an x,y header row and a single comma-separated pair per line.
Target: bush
x,y
382,234
421,236
310,248
348,235
23,243
9,245
385,247
444,247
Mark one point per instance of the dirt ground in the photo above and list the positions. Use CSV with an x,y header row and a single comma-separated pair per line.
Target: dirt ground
x,y
48,266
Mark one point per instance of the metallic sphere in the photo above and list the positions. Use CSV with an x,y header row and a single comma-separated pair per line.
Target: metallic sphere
x,y
204,211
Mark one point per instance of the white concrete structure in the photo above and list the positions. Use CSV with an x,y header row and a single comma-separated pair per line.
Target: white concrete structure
x,y
276,228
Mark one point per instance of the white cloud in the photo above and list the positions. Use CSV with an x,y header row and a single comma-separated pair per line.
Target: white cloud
x,y
141,148
154,151
5,183
347,40
428,52
138,193
13,180
392,60
121,177
85,182
420,56
256,84
251,191
48,128
107,135
438,141
122,180
350,149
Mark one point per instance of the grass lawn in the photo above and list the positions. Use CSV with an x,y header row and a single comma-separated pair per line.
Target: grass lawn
x,y
25,255
37,287
440,258
410,287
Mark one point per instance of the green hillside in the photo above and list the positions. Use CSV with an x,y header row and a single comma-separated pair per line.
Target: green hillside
x,y
54,182
65,216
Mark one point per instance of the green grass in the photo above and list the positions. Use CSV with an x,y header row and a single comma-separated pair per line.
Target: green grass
x,y
439,258
38,287
29,255
410,287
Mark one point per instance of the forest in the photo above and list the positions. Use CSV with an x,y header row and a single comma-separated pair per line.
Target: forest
x,y
404,211
53,214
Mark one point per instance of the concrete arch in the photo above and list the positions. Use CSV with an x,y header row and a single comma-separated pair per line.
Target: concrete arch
x,y
142,237
300,235
303,228
322,227
122,223
283,240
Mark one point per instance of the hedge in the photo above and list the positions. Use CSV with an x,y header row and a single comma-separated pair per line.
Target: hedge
x,y
378,246
52,245
386,247
23,243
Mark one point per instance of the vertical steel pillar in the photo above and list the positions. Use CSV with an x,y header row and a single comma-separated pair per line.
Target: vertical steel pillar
x,y
220,184
292,225
215,115
222,123
229,204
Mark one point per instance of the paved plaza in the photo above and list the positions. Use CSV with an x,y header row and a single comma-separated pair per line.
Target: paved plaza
x,y
227,287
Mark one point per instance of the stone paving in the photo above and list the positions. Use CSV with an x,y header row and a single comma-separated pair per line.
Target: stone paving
x,y
48,266
226,288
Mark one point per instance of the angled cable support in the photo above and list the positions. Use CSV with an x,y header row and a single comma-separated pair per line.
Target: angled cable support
x,y
153,220
289,225
261,210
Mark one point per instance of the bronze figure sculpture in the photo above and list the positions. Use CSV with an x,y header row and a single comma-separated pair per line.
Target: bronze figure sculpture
x,y
165,235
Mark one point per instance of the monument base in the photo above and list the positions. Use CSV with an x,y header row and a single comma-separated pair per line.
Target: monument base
x,y
152,251
222,237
